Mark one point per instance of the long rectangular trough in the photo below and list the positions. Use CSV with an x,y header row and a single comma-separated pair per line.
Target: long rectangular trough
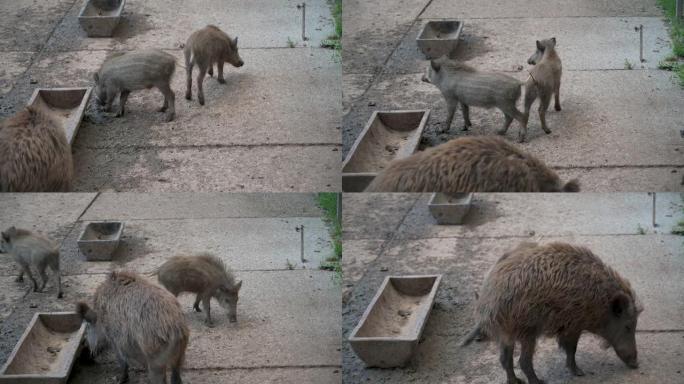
x,y
46,351
438,38
65,106
388,135
389,330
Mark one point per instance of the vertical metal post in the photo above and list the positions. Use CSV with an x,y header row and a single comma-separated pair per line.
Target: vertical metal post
x,y
303,21
641,43
301,249
654,210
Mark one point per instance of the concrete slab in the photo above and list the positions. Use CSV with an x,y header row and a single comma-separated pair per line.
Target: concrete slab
x,y
243,244
11,292
539,8
252,169
25,25
513,214
595,128
13,64
49,213
584,43
84,374
358,255
307,336
158,24
362,220
353,86
183,205
372,30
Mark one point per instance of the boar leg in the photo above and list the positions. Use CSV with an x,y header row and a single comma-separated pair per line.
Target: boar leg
x,y
123,364
206,302
109,103
526,356
506,359
122,102
556,91
200,79
544,101
210,71
466,117
196,305
27,270
451,109
569,345
43,275
220,73
175,375
20,278
188,73
530,97
54,266
156,374
169,101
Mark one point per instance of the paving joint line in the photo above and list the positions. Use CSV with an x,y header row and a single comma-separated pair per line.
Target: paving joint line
x,y
519,236
660,17
209,146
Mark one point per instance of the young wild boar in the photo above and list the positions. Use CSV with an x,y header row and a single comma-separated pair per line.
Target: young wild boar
x,y
206,47
464,85
544,80
35,155
124,72
470,164
31,249
554,290
141,321
205,275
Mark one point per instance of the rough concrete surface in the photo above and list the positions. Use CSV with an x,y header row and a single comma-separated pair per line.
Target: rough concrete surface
x,y
288,328
619,129
264,130
606,223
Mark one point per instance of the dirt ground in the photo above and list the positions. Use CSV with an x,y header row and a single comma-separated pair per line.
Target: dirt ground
x,y
619,129
262,131
394,234
281,335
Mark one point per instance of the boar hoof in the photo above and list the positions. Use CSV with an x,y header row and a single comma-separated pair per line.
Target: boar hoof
x,y
19,279
521,139
162,109
169,117
188,96
546,130
197,308
465,128
201,101
577,371
557,107
501,132
222,81
60,295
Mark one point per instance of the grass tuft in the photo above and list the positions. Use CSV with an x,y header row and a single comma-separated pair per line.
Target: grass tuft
x,y
328,202
677,35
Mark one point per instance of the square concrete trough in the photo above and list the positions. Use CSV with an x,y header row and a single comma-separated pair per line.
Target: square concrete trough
x,y
439,38
99,18
389,330
450,209
65,106
46,351
99,240
388,135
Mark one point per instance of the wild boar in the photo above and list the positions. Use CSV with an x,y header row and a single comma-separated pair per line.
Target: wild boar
x,y
470,164
35,155
205,275
464,85
544,80
206,47
556,290
124,72
32,249
141,321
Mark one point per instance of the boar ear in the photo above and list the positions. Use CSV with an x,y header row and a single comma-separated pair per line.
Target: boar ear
x,y
96,77
619,304
5,237
85,312
435,65
237,286
554,40
235,41
539,46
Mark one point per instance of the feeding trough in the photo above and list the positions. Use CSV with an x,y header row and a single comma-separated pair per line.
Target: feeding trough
x,y
65,106
387,136
99,18
389,330
46,351
439,38
450,209
99,240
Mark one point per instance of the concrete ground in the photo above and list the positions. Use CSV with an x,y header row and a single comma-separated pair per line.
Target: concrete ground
x,y
394,234
619,129
274,127
288,328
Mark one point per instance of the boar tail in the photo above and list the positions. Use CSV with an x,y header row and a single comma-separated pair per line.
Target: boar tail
x,y
475,334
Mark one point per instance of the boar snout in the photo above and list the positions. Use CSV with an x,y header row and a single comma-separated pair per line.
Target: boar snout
x,y
425,78
240,63
232,317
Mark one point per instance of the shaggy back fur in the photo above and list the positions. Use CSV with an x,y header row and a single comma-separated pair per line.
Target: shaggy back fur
x,y
194,273
211,45
470,164
547,289
35,155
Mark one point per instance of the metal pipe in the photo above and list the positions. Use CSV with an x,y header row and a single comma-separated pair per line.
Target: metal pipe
x,y
654,210
300,229
641,43
304,21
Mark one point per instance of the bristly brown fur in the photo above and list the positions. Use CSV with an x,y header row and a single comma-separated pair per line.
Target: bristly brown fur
x,y
35,155
469,164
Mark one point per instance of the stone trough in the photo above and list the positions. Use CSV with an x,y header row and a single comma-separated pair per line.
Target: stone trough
x,y
46,351
387,136
99,18
99,240
65,106
389,330
450,209
439,38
